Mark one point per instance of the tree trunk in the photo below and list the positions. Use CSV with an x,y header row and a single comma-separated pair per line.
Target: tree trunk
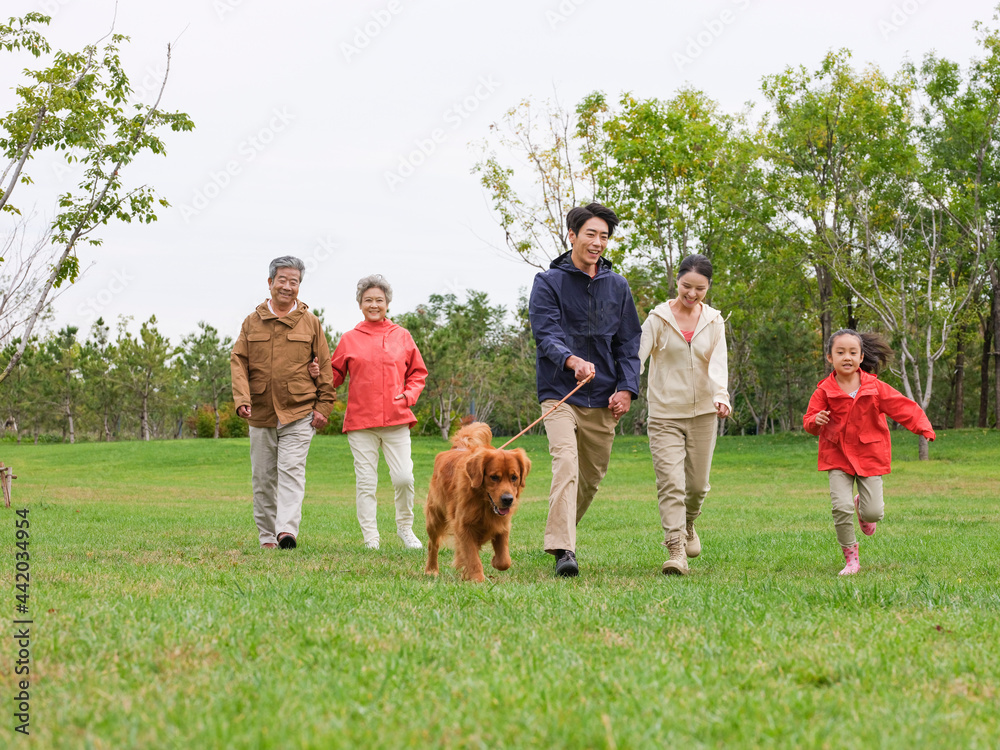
x,y
824,283
984,373
995,282
144,420
923,448
958,423
217,420
72,429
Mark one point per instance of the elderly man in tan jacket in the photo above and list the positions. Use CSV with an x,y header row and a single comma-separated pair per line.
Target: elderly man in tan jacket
x,y
273,390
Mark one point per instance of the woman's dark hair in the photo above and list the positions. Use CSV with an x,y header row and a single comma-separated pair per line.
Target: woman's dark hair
x,y
697,263
580,215
875,350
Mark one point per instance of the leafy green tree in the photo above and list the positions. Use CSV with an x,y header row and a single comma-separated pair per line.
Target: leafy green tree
x,y
143,367
462,344
533,216
20,393
665,167
205,359
958,123
832,135
104,392
78,105
62,383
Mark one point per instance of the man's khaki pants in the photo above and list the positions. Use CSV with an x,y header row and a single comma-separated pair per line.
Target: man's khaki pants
x,y
682,459
278,467
580,440
395,444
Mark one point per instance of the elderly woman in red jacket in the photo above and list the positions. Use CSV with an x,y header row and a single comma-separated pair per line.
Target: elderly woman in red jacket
x,y
387,375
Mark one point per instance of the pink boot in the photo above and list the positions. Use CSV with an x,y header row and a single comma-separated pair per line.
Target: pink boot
x,y
866,528
853,562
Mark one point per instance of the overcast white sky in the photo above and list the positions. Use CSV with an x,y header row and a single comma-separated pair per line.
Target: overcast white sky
x,y
302,109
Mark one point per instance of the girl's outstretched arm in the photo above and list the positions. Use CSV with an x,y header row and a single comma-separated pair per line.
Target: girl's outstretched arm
x,y
903,410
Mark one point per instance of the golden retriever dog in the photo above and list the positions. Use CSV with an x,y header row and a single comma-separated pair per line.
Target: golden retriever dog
x,y
473,494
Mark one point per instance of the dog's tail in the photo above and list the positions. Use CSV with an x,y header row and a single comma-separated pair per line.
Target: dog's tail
x,y
475,435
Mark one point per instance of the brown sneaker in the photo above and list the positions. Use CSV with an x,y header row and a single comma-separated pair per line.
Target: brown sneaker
x,y
693,542
677,564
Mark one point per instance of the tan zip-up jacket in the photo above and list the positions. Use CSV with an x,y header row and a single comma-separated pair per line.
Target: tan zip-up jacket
x,y
685,380
269,366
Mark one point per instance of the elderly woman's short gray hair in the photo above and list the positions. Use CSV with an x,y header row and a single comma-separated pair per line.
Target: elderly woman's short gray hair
x,y
286,261
378,281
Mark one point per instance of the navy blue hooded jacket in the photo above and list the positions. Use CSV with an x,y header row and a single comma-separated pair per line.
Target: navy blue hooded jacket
x,y
593,318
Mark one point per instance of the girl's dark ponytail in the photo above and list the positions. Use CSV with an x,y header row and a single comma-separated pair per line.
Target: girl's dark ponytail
x,y
877,353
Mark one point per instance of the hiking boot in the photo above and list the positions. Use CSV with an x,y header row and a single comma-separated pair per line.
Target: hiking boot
x,y
853,561
409,539
693,543
566,563
677,564
866,528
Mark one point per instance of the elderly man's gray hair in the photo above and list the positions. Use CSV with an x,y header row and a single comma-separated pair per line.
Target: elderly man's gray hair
x,y
286,261
377,281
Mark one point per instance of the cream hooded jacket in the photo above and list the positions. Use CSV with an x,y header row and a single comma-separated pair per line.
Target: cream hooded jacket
x,y
685,380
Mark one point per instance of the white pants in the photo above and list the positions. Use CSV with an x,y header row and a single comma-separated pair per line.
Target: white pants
x,y
278,467
395,444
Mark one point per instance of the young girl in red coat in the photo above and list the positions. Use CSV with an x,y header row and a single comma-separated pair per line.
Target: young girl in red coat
x,y
854,445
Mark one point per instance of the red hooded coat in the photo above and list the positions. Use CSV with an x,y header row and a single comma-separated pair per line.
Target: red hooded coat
x,y
856,439
383,362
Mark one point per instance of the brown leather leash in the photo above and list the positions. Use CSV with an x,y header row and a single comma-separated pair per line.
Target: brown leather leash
x,y
561,402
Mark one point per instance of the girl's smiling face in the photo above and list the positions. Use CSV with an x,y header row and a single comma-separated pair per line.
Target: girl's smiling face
x,y
845,354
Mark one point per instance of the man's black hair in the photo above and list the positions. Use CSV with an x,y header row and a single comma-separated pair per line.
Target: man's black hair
x,y
580,215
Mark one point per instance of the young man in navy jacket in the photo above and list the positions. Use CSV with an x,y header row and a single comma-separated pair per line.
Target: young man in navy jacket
x,y
586,328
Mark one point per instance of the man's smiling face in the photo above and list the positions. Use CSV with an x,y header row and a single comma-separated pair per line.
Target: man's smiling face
x,y
589,244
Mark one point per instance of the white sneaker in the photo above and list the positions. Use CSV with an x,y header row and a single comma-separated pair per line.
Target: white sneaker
x,y
410,540
373,544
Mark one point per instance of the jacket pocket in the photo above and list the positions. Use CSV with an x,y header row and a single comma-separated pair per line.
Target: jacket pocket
x,y
259,349
301,392
299,347
869,436
259,359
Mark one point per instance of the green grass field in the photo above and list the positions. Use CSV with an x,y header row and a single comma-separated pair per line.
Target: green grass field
x,y
159,623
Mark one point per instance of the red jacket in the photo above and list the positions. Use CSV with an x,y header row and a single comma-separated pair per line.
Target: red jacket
x,y
856,439
383,361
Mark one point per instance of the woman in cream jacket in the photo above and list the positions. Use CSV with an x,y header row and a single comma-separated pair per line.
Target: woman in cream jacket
x,y
687,394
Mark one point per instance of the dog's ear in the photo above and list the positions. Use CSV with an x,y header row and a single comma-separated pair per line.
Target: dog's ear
x,y
474,468
524,462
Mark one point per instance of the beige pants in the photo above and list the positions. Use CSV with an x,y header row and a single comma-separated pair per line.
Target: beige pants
x,y
682,459
842,498
278,468
395,444
580,440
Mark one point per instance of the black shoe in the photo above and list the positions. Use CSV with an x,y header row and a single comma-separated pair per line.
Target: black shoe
x,y
566,564
286,541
